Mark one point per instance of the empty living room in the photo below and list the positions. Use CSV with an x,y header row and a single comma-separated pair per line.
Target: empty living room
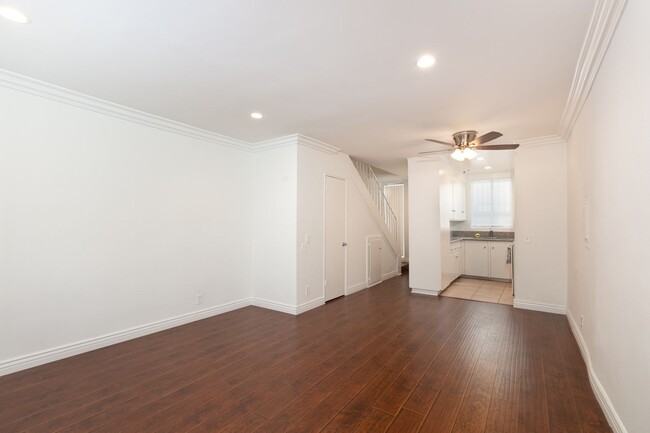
x,y
324,216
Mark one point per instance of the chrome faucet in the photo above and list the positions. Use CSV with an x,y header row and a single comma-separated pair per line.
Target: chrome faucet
x,y
491,234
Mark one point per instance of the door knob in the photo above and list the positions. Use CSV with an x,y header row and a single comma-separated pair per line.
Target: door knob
x,y
345,244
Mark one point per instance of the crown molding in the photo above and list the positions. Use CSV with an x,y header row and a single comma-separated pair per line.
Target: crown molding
x,y
312,143
52,92
604,19
274,143
294,139
542,141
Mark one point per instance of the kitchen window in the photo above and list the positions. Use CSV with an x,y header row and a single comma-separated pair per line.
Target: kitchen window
x,y
491,203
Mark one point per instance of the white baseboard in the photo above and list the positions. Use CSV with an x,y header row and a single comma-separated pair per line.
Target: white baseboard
x,y
24,362
310,305
389,275
275,306
539,306
601,395
356,288
427,292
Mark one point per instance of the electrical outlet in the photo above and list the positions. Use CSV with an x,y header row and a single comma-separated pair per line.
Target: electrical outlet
x,y
582,321
199,298
307,290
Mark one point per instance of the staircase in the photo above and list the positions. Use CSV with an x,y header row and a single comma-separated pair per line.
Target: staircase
x,y
381,202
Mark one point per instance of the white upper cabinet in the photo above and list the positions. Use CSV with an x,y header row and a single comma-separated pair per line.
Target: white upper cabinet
x,y
459,201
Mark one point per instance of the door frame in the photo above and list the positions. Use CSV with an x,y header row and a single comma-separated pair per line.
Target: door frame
x,y
345,224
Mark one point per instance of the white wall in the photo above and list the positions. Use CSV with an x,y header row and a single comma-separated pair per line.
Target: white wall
x,y
540,265
313,166
112,221
274,227
609,167
425,258
107,224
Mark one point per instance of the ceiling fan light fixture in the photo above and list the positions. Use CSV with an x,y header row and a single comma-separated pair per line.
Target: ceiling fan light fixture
x,y
463,154
469,153
458,155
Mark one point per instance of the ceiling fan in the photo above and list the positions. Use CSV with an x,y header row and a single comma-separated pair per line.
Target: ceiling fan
x,y
466,143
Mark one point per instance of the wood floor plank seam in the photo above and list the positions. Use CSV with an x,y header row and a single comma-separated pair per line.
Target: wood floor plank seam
x,y
396,330
381,360
176,402
277,313
441,331
497,333
395,353
141,344
350,371
385,387
432,377
179,368
444,392
240,398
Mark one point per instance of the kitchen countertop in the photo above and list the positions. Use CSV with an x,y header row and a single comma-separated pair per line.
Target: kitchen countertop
x,y
481,239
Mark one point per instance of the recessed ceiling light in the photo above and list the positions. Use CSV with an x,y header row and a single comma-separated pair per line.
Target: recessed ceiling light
x,y
426,61
488,167
13,14
480,158
256,115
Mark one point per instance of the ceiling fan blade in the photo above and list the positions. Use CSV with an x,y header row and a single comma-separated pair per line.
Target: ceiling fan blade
x,y
436,151
487,137
496,147
438,141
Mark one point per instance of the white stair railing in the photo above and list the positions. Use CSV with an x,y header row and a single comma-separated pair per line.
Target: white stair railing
x,y
377,194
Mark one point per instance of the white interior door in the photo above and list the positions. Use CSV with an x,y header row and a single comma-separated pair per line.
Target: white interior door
x,y
335,235
374,260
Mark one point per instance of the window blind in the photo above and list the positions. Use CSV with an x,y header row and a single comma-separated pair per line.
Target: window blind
x,y
492,203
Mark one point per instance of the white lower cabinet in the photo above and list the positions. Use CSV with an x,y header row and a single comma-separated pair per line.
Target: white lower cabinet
x,y
499,268
487,259
461,259
477,259
457,260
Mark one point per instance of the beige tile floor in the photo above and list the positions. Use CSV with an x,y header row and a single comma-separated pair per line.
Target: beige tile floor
x,y
495,292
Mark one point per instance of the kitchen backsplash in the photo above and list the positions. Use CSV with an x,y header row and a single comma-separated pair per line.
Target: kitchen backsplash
x,y
484,234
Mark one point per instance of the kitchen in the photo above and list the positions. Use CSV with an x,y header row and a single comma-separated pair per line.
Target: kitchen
x,y
474,226
481,236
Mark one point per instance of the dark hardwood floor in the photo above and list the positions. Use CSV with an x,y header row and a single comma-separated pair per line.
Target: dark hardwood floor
x,y
381,360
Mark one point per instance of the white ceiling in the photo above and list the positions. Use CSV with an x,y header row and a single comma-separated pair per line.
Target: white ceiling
x,y
339,71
